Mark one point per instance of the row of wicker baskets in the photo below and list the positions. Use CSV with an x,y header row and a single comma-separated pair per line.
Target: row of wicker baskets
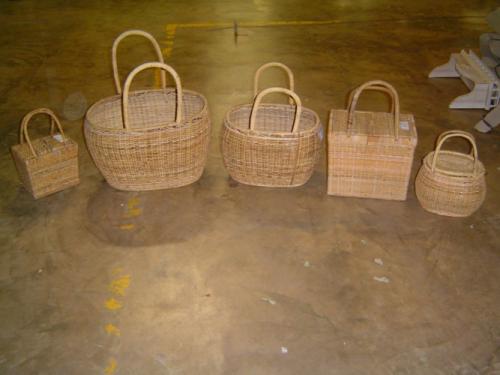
x,y
158,138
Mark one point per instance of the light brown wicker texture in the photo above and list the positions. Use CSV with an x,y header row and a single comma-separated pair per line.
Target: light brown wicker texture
x,y
149,139
370,154
49,164
288,71
274,145
114,61
451,183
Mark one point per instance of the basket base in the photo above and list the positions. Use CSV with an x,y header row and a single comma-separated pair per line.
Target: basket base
x,y
156,186
46,193
374,196
448,214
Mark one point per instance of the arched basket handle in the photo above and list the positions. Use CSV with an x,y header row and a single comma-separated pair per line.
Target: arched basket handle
x,y
54,121
114,61
456,134
374,85
137,70
271,90
288,71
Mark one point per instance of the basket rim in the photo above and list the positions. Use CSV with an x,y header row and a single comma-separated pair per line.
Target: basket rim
x,y
402,116
271,134
427,163
183,124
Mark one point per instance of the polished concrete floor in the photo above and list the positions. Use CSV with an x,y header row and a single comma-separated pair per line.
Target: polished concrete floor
x,y
221,278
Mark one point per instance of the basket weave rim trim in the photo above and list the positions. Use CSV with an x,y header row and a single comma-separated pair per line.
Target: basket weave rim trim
x,y
114,63
167,90
430,157
411,134
271,134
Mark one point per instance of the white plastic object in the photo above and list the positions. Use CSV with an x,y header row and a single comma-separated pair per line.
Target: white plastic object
x,y
481,80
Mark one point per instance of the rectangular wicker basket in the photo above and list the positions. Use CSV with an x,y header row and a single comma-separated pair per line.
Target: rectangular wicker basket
x,y
46,165
370,154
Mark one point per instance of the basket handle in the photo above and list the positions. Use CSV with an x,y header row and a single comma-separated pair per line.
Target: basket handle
x,y
265,92
373,85
456,134
375,88
288,71
54,121
115,48
137,70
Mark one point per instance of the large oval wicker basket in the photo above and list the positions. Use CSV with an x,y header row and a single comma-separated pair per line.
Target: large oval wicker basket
x,y
451,183
274,145
149,139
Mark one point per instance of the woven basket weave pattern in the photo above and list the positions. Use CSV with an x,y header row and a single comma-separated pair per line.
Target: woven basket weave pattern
x,y
455,186
370,159
271,154
156,151
46,165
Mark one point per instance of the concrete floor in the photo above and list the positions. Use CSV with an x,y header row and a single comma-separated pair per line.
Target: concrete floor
x,y
219,277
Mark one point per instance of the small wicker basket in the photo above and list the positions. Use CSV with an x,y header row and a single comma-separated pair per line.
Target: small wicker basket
x,y
149,139
370,154
49,164
451,183
274,145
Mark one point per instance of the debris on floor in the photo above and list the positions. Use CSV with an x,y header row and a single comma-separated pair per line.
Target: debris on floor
x,y
379,261
284,350
269,300
382,279
364,242
307,264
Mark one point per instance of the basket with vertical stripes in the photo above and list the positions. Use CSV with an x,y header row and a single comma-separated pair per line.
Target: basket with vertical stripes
x,y
370,154
149,139
49,164
273,145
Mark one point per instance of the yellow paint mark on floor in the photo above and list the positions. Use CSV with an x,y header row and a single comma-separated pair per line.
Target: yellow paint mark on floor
x,y
134,212
111,367
170,30
120,285
127,226
111,329
113,304
133,203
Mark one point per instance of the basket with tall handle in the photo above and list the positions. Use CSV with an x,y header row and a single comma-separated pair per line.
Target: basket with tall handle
x,y
370,154
451,183
49,164
149,139
274,145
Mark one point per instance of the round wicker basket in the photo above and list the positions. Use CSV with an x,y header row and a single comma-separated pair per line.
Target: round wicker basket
x,y
451,183
274,145
149,139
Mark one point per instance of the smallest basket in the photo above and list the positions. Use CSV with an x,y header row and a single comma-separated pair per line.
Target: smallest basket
x,y
273,145
49,164
451,183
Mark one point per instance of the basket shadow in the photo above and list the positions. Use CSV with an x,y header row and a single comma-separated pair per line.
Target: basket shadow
x,y
133,219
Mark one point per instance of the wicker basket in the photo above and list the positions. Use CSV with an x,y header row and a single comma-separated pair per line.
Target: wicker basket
x,y
451,183
149,139
274,145
49,164
370,154
114,61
